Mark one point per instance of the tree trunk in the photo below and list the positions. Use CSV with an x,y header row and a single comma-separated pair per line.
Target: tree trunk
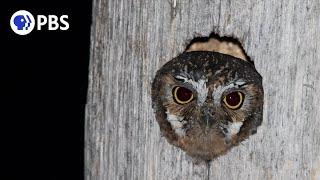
x,y
131,40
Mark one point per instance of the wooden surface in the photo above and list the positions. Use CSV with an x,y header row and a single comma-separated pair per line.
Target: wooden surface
x,y
131,40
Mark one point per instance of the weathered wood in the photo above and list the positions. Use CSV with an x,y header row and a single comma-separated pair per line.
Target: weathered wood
x,y
130,41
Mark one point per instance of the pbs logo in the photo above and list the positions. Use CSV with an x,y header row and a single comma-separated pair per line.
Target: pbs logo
x,y
22,22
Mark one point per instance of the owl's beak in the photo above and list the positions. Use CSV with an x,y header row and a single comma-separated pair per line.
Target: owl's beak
x,y
207,116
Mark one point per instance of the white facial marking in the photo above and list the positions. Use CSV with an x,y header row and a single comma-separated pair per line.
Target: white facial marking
x,y
199,86
176,123
233,128
218,90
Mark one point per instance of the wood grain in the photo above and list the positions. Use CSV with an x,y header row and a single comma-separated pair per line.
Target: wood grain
x,y
131,40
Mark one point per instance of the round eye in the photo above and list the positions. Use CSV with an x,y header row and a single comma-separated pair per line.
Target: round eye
x,y
234,100
182,95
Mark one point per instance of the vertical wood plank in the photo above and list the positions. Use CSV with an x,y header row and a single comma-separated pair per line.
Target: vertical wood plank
x,y
131,40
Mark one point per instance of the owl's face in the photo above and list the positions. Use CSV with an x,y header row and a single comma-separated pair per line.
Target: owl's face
x,y
207,102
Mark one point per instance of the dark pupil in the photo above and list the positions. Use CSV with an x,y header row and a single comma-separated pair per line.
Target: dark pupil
x,y
184,94
233,98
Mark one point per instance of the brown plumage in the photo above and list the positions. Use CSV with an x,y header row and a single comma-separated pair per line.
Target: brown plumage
x,y
207,102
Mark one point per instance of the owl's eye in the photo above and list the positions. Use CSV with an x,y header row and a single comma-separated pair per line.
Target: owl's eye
x,y
234,100
182,95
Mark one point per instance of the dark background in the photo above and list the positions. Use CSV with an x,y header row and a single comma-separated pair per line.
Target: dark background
x,y
44,84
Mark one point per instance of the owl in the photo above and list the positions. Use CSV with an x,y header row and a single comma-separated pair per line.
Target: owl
x,y
208,99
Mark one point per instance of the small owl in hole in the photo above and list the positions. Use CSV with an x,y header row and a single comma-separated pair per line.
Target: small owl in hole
x,y
209,98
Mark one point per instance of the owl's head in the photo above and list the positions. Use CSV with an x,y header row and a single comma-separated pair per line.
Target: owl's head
x,y
207,102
